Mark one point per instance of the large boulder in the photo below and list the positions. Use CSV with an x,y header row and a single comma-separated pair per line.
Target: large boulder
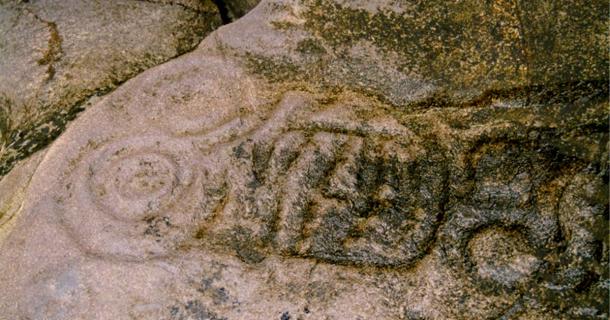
x,y
59,56
333,160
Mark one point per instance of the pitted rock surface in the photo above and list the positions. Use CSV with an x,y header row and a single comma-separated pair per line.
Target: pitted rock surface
x,y
251,179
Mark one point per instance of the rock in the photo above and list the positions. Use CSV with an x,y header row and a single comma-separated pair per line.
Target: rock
x,y
12,191
334,160
59,56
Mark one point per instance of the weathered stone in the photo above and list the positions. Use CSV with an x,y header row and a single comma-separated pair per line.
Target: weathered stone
x,y
58,56
333,160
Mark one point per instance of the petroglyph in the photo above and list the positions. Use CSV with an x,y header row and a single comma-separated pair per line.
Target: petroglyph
x,y
326,159
344,192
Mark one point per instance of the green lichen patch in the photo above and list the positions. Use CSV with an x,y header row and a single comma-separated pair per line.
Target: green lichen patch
x,y
24,141
54,50
310,46
275,70
470,52
470,44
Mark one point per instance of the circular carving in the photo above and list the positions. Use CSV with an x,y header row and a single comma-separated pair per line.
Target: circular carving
x,y
136,198
497,248
200,101
134,185
500,232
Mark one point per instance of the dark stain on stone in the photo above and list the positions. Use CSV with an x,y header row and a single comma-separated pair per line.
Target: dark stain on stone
x,y
516,42
223,10
193,310
285,316
54,50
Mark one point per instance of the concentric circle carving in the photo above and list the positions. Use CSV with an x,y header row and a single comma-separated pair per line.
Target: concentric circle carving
x,y
132,185
135,198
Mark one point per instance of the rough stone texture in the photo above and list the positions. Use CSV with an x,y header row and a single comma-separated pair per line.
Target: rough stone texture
x,y
346,160
12,191
59,56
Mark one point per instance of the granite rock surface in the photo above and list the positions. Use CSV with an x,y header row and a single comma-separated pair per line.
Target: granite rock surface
x,y
332,160
59,57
